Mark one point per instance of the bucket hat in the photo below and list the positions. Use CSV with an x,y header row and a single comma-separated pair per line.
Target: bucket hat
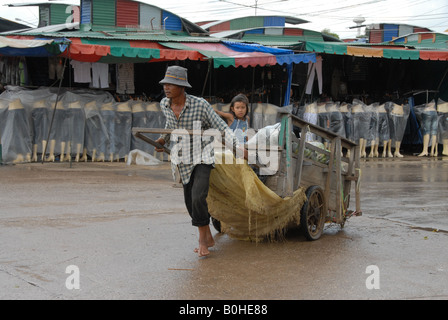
x,y
176,75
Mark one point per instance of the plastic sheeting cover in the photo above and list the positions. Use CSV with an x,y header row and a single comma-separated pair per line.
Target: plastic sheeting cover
x,y
398,118
427,117
85,124
442,110
14,131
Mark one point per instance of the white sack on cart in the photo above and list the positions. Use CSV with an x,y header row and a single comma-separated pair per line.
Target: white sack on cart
x,y
142,158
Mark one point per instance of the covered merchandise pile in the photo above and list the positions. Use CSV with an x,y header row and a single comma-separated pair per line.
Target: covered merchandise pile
x,y
369,125
82,124
248,209
433,121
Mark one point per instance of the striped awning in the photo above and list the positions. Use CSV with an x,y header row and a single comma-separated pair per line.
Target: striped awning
x,y
223,54
117,51
229,54
377,51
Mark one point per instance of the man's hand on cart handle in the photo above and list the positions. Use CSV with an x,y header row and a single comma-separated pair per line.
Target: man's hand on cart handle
x,y
161,143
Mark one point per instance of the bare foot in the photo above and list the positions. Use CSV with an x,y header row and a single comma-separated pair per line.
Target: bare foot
x,y
206,245
205,241
202,251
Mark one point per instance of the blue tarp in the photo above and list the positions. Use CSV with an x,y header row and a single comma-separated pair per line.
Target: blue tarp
x,y
296,58
251,47
284,56
38,47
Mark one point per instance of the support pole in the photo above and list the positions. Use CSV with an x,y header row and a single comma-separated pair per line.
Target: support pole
x,y
54,109
206,76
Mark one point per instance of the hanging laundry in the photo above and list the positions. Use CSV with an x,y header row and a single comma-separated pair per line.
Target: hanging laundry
x,y
82,71
313,69
55,68
10,73
125,78
100,75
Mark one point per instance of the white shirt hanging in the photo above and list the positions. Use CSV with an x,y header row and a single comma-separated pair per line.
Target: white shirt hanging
x,y
82,71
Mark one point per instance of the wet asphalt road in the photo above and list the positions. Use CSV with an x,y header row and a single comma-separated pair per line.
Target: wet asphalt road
x,y
127,234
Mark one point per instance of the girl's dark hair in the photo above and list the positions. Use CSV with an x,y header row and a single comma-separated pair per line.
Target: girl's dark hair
x,y
240,98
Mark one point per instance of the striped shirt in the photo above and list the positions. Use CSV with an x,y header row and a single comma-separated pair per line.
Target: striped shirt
x,y
197,115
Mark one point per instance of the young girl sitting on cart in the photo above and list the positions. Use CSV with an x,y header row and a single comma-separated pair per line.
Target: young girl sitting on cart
x,y
238,119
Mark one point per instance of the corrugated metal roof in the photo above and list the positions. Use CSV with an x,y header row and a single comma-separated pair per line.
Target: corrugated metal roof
x,y
45,30
390,31
171,21
86,12
188,25
30,4
61,31
423,40
271,39
287,19
103,12
247,23
279,41
59,14
8,25
127,13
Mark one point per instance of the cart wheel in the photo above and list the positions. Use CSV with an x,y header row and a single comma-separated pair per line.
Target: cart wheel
x,y
312,215
216,224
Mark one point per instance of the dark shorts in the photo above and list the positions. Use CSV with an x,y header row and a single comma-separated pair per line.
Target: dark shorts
x,y
195,195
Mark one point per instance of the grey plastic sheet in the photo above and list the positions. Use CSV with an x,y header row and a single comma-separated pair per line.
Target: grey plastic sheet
x,y
361,121
398,118
427,117
14,131
266,114
74,123
374,123
347,117
442,111
83,124
147,115
96,135
335,119
120,143
310,115
40,116
383,123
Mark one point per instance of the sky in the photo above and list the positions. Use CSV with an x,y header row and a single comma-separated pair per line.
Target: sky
x,y
337,16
